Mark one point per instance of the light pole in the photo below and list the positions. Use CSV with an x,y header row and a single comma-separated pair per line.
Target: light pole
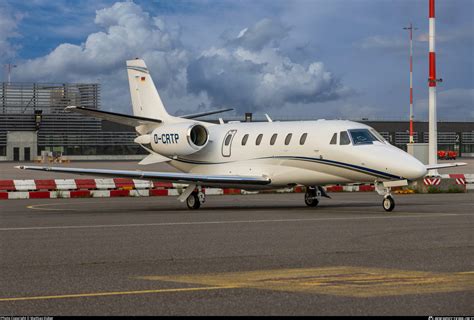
x,y
411,28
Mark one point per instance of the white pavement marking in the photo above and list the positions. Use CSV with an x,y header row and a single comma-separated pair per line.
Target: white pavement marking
x,y
163,224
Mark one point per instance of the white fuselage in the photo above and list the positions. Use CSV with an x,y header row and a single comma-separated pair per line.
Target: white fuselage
x,y
288,162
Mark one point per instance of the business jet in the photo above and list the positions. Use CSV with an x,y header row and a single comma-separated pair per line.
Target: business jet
x,y
253,155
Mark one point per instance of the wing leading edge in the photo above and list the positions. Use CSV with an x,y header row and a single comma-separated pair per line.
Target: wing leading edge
x,y
128,120
444,165
204,180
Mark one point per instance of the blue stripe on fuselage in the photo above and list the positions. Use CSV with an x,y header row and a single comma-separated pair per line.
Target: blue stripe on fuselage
x,y
344,165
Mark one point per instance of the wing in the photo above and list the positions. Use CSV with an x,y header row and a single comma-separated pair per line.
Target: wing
x,y
125,119
444,165
179,177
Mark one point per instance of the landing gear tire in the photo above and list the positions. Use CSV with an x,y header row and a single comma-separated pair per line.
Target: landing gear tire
x,y
310,198
311,202
388,203
193,201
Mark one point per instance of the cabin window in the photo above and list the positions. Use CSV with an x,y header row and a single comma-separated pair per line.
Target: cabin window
x,y
228,139
334,139
273,139
344,138
259,139
244,139
288,138
303,138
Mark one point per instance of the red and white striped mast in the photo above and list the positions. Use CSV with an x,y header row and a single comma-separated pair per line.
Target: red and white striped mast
x,y
411,28
433,131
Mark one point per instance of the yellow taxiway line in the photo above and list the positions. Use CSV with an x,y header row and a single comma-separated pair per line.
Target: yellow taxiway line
x,y
115,293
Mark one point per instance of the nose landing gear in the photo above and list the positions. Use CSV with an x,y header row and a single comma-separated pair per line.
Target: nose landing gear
x,y
388,203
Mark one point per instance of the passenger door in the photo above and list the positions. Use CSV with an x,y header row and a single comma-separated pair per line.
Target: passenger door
x,y
227,143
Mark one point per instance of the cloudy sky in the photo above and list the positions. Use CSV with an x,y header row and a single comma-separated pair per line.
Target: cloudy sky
x,y
289,58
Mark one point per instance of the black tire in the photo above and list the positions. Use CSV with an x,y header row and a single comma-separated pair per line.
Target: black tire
x,y
193,201
388,203
310,200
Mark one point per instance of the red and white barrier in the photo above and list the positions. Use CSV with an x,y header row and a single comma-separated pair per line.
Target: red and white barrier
x,y
122,187
432,181
462,179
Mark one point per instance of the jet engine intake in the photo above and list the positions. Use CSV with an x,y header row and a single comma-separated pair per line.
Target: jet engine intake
x,y
179,139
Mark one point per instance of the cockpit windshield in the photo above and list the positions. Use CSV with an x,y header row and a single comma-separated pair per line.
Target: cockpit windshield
x,y
362,136
378,135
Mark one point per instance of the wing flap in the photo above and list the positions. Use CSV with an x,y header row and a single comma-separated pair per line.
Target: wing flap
x,y
125,119
178,177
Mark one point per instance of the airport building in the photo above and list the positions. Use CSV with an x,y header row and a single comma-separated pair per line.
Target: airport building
x,y
33,120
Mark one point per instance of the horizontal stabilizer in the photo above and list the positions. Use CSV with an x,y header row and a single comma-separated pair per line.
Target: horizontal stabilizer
x,y
202,114
444,165
125,119
179,177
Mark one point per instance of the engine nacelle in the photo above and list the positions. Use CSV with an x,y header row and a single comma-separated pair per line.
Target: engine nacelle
x,y
179,139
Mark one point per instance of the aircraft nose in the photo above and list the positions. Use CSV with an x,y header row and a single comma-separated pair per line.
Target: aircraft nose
x,y
399,163
413,168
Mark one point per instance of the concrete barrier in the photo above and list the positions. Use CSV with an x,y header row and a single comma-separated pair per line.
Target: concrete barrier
x,y
438,185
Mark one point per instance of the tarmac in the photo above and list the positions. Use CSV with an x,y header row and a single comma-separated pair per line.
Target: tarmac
x,y
265,254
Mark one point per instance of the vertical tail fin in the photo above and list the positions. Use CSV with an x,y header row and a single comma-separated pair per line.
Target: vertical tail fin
x,y
146,101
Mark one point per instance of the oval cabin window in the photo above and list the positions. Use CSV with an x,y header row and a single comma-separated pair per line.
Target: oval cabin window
x,y
303,138
273,139
288,138
244,139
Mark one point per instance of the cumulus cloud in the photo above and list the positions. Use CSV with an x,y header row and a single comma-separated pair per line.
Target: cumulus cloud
x,y
126,32
264,32
129,32
8,30
250,73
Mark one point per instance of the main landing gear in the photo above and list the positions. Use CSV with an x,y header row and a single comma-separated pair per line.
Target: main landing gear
x,y
312,195
193,196
195,199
